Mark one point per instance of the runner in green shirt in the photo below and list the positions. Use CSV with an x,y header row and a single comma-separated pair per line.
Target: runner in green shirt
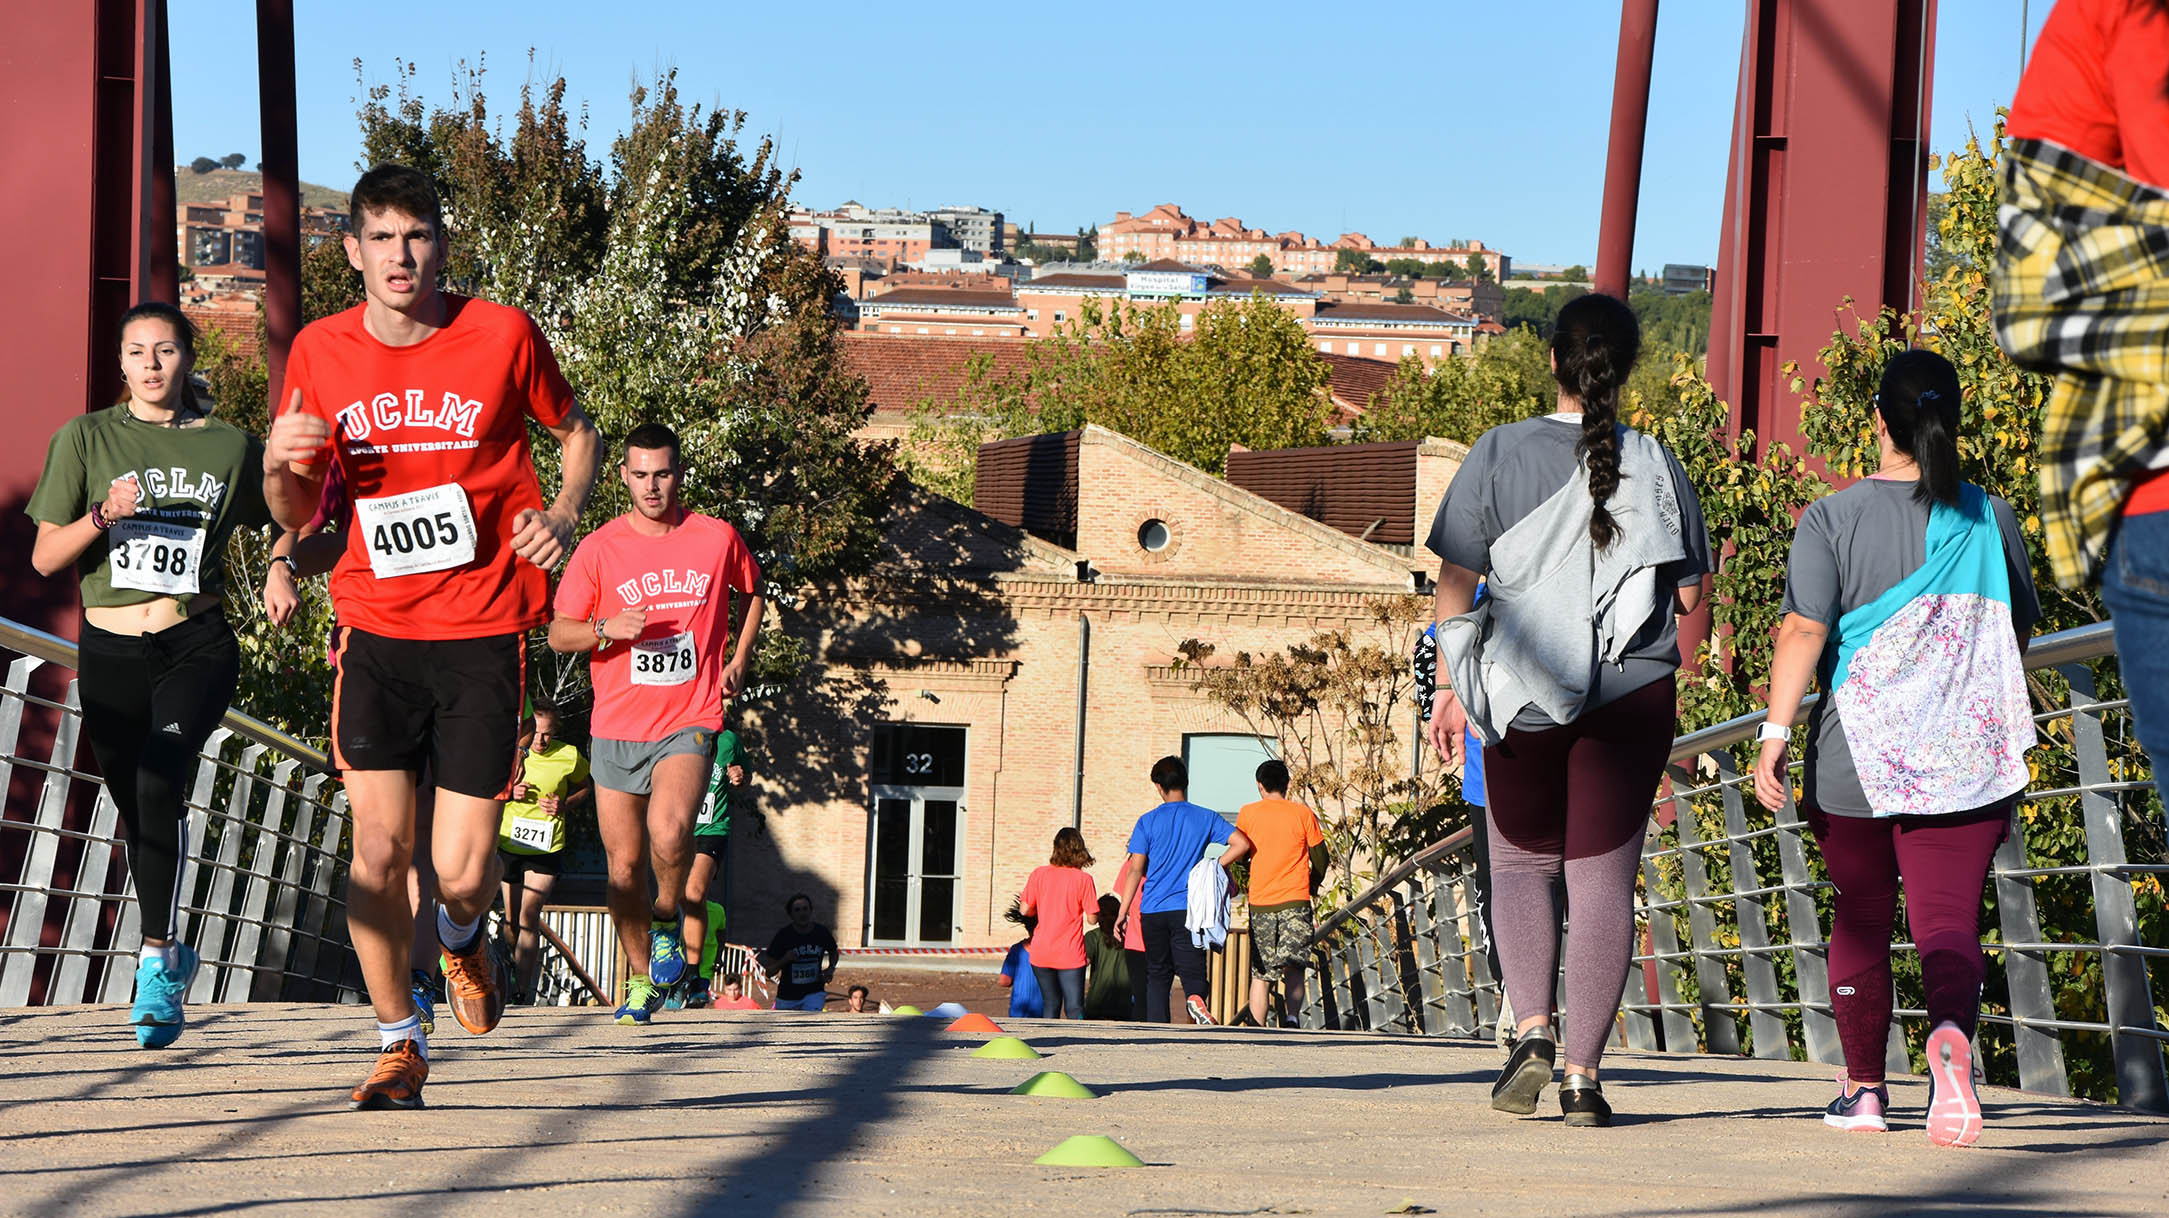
x,y
711,837
138,501
1107,979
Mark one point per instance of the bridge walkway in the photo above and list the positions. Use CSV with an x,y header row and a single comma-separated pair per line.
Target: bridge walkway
x,y
561,1112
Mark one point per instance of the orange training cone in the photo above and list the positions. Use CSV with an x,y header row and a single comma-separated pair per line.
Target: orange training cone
x,y
974,1022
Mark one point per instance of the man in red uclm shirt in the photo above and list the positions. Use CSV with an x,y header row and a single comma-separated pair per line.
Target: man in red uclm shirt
x,y
422,399
649,594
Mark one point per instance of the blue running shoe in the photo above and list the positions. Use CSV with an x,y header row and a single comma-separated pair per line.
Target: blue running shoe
x,y
666,954
160,992
425,989
641,1001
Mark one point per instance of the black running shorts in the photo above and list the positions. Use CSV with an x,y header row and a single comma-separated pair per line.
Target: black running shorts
x,y
455,703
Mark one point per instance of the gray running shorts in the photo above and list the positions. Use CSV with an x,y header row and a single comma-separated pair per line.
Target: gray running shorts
x,y
626,765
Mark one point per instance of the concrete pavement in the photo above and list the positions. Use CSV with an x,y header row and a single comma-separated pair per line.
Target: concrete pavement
x,y
561,1112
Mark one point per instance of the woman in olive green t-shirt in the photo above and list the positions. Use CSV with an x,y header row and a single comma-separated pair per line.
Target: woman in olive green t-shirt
x,y
140,499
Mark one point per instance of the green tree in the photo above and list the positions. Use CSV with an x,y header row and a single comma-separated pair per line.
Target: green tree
x,y
233,160
1337,707
1412,268
1404,296
1133,256
1500,381
1246,375
1355,262
1479,271
1261,267
202,164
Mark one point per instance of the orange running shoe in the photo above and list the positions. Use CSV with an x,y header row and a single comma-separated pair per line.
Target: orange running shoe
x,y
396,1082
472,984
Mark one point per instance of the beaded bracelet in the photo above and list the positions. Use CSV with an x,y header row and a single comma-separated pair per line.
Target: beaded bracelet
x,y
97,517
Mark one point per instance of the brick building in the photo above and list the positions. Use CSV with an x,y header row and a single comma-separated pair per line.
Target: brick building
x,y
230,232
1166,232
1009,671
898,236
1391,331
1469,297
980,306
1049,301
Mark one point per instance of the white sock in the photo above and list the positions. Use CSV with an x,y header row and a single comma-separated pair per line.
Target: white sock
x,y
410,1028
167,958
454,937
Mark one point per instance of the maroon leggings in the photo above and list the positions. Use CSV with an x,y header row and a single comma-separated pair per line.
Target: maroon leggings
x,y
1575,800
1943,861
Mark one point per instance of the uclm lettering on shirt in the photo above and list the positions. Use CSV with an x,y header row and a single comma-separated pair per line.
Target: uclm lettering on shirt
x,y
177,483
666,583
385,412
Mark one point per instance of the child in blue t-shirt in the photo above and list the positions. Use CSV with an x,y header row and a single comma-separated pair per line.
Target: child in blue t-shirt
x,y
1025,1000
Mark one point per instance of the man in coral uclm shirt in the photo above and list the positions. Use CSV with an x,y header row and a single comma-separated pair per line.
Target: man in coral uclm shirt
x,y
422,400
650,595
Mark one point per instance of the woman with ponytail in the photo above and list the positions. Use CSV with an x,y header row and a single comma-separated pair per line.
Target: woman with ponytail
x,y
1591,542
139,499
1909,597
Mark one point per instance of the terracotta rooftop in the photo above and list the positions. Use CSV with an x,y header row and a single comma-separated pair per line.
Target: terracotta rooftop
x,y
948,298
1367,311
901,372
1074,279
1355,380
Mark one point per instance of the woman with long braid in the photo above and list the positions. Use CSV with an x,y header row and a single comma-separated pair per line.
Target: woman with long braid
x,y
1591,543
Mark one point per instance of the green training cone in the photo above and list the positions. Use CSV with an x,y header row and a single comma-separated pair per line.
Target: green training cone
x,y
907,1009
1006,1047
1090,1150
1055,1085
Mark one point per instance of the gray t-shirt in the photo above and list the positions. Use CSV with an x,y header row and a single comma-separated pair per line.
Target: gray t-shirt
x,y
1510,472
1851,548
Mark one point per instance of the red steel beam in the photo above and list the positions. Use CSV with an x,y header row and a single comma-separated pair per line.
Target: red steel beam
x,y
282,189
1623,159
1826,192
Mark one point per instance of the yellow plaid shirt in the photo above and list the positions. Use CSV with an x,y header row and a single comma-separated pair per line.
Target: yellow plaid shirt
x,y
2082,292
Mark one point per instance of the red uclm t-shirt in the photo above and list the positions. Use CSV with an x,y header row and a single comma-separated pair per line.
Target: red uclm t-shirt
x,y
1063,899
422,434
671,677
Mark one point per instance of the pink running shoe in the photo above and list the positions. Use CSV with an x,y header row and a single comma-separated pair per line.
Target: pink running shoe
x,y
1860,1112
1954,1108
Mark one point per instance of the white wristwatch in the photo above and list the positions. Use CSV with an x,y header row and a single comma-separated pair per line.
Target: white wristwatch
x,y
1771,731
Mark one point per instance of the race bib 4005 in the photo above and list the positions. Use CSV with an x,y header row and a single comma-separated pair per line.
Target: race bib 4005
x,y
425,530
153,556
665,661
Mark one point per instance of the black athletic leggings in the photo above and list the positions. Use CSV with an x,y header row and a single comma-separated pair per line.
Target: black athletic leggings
x,y
149,703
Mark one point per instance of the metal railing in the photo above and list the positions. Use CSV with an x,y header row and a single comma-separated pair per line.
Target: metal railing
x,y
261,892
1731,912
583,941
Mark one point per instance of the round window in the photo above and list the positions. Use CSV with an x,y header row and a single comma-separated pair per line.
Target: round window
x,y
1153,535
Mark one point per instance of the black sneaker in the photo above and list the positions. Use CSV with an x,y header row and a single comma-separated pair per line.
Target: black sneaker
x,y
1528,1069
1581,1102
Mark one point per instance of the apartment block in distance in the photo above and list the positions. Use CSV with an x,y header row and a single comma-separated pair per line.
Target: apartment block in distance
x,y
1166,232
894,235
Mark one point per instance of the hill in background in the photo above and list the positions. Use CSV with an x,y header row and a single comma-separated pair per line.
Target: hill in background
x,y
217,185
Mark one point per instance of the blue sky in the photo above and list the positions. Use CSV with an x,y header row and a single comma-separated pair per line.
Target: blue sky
x,y
1448,119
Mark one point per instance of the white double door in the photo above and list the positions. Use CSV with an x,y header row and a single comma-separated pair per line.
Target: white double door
x,y
915,847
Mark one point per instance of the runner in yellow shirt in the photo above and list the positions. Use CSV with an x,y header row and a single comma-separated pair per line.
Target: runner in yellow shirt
x,y
531,836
